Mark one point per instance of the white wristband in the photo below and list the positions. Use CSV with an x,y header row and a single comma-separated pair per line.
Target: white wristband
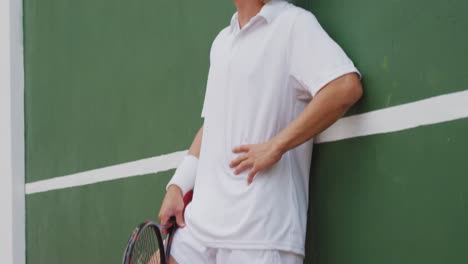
x,y
185,174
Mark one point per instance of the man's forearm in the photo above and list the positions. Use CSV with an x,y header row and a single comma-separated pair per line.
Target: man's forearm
x,y
196,143
184,177
325,109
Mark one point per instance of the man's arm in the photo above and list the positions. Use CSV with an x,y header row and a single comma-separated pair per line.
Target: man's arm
x,y
328,105
194,150
196,143
173,204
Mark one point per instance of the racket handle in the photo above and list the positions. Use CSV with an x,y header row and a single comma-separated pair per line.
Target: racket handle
x,y
172,222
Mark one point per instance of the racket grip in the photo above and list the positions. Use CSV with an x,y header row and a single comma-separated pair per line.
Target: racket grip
x,y
172,222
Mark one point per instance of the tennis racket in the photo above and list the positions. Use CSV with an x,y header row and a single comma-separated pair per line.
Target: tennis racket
x,y
148,245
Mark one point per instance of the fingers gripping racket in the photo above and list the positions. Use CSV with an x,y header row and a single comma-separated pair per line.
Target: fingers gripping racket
x,y
147,244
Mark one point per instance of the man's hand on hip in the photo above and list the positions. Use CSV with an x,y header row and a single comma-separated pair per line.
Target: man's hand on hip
x,y
255,156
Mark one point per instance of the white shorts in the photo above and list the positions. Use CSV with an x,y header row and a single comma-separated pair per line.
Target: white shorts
x,y
187,250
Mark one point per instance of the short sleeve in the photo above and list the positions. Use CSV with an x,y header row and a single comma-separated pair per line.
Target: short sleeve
x,y
205,100
315,59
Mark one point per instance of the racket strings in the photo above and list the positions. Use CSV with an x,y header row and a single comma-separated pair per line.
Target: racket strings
x,y
146,247
156,254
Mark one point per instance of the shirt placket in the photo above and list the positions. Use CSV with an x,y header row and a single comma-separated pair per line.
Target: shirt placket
x,y
233,48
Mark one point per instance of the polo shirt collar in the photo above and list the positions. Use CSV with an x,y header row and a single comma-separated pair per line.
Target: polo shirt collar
x,y
268,11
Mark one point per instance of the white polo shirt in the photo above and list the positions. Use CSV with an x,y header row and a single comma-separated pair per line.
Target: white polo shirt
x,y
260,78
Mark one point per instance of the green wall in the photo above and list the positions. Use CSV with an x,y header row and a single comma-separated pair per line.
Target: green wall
x,y
391,198
90,224
109,82
407,50
113,81
398,197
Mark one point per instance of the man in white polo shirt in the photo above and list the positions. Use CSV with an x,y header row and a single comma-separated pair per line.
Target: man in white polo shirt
x,y
276,80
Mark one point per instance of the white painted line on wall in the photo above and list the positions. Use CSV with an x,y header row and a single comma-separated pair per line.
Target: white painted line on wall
x,y
434,110
12,199
124,170
425,112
